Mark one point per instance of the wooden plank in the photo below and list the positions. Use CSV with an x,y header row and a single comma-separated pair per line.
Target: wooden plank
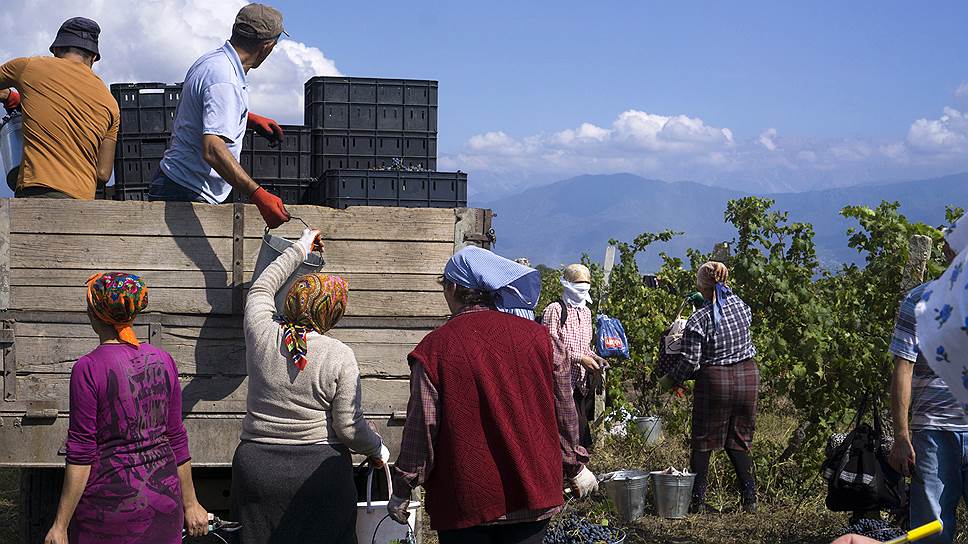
x,y
66,277
53,348
216,394
376,257
38,216
42,216
104,252
120,252
211,441
219,301
4,254
364,223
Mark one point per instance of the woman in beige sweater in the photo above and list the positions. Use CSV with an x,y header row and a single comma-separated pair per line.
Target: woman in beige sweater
x,y
292,475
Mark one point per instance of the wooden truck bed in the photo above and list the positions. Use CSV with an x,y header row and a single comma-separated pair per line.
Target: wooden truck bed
x,y
197,261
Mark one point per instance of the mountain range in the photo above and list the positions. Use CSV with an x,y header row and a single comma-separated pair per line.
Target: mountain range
x,y
555,224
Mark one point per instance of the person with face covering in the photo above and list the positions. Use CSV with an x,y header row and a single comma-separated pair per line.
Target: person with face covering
x,y
717,347
491,431
570,322
129,473
292,473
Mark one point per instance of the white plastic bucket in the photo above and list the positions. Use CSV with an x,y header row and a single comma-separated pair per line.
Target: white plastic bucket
x,y
272,247
373,524
11,148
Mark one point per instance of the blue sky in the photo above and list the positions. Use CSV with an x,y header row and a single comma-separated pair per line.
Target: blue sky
x,y
755,96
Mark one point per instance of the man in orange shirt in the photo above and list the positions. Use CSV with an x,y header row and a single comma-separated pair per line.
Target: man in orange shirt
x,y
70,119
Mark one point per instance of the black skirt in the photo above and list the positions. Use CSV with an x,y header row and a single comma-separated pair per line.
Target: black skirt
x,y
286,494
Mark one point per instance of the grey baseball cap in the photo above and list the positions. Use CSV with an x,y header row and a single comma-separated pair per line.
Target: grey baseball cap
x,y
260,22
78,32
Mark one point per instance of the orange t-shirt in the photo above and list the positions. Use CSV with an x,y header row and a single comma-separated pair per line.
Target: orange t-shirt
x,y
67,113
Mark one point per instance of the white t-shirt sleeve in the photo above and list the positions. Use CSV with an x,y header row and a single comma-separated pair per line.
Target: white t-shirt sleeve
x,y
222,110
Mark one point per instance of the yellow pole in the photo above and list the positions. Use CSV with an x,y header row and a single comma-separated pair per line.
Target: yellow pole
x,y
923,531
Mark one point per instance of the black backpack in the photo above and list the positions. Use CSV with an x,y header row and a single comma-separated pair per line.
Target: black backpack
x,y
564,313
859,477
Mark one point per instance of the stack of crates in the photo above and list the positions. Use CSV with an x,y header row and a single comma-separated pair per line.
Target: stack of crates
x,y
147,116
374,142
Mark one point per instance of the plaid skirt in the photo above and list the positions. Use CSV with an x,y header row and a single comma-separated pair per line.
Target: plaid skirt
x,y
724,409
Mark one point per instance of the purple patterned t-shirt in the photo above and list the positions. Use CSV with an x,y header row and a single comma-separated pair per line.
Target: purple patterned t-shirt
x,y
125,422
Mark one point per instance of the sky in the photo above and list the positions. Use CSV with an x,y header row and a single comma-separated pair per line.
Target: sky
x,y
756,96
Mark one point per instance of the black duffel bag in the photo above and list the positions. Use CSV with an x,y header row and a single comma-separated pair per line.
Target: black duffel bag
x,y
859,477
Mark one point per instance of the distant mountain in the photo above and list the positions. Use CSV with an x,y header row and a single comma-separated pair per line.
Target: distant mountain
x,y
555,224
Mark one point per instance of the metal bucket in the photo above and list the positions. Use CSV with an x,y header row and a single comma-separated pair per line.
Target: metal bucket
x,y
11,148
272,247
650,427
627,490
672,493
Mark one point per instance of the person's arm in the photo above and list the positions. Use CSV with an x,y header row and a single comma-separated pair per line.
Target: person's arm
x,y
347,411
260,305
216,153
81,446
902,455
574,456
75,480
196,517
105,161
416,459
11,73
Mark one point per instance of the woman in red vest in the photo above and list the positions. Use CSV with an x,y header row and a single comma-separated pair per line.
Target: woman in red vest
x,y
491,428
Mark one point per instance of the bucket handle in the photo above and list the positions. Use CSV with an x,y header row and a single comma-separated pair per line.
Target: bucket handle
x,y
300,219
369,487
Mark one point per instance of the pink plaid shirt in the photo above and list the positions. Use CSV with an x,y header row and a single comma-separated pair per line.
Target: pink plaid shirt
x,y
575,334
416,459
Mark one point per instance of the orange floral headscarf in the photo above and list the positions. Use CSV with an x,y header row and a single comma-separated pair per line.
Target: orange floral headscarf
x,y
117,298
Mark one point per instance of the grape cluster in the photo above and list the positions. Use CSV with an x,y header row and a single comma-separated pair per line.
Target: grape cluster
x,y
572,529
873,528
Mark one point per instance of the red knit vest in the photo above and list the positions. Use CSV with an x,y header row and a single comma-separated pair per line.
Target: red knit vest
x,y
497,449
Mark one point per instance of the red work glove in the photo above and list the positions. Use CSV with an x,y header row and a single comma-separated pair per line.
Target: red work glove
x,y
13,100
270,206
265,127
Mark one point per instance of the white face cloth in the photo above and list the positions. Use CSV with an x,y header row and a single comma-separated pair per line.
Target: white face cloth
x,y
575,294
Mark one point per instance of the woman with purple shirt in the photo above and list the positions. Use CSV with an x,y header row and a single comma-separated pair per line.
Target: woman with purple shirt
x,y
128,478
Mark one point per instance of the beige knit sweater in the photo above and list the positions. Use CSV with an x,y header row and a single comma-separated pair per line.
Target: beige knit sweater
x,y
320,404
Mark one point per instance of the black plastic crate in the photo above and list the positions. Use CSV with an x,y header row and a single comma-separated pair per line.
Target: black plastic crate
x,y
290,191
365,150
137,158
371,104
133,191
342,188
147,108
291,159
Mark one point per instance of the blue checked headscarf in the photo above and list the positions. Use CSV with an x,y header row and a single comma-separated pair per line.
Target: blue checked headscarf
x,y
514,286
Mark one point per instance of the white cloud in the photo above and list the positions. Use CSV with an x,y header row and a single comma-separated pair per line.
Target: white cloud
x,y
962,90
158,40
946,135
767,139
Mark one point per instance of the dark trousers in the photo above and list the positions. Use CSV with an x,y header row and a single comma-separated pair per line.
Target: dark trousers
x,y
585,406
512,533
40,192
165,190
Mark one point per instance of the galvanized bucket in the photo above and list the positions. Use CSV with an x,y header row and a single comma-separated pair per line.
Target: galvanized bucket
x,y
11,148
272,247
672,493
627,490
650,427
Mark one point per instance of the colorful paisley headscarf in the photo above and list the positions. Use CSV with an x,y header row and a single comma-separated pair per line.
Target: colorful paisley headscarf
x,y
315,302
117,298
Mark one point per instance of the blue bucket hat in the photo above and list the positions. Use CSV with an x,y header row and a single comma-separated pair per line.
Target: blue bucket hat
x,y
78,32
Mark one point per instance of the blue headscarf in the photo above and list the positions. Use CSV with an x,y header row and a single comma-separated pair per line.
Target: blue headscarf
x,y
514,286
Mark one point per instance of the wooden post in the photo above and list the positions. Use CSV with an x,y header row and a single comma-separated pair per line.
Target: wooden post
x,y
918,256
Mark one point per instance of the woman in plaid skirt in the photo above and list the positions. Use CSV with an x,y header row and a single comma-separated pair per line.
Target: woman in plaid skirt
x,y
716,345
